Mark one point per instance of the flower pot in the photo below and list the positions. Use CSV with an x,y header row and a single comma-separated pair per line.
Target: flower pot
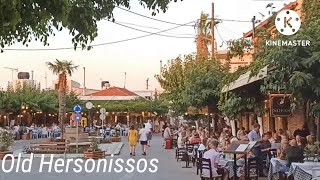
x,y
94,154
24,136
115,139
4,153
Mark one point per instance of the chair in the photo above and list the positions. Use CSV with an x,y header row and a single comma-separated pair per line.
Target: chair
x,y
44,133
180,153
198,158
252,168
206,164
174,143
35,134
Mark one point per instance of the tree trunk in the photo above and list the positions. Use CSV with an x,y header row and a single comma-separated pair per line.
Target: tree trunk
x,y
62,101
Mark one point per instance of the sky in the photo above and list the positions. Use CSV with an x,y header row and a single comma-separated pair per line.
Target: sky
x,y
139,58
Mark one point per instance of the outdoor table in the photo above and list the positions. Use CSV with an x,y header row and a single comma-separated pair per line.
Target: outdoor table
x,y
229,165
275,166
305,171
235,167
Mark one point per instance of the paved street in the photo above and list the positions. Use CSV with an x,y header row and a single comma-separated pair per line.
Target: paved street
x,y
168,168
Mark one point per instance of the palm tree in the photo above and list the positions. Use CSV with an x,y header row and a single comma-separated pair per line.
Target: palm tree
x,y
62,68
204,38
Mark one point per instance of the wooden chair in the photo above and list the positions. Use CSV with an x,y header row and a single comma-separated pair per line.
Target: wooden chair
x,y
180,153
198,158
252,168
206,164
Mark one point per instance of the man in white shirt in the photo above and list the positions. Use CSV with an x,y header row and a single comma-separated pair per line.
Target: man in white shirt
x,y
148,125
143,138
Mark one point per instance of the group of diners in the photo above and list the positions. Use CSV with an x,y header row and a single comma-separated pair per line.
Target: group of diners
x,y
211,148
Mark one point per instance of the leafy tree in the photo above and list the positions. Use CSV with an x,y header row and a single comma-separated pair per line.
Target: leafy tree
x,y
25,21
172,80
296,68
72,99
202,84
62,69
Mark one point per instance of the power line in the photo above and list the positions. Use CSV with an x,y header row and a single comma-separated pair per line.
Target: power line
x,y
173,23
103,44
233,20
151,32
149,27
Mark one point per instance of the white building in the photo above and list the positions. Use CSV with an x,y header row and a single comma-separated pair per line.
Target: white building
x,y
23,82
75,87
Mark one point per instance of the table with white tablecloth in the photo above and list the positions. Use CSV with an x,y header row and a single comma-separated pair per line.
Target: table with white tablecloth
x,y
305,171
276,165
228,164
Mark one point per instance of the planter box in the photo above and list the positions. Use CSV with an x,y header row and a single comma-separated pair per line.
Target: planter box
x,y
25,136
2,154
94,154
115,139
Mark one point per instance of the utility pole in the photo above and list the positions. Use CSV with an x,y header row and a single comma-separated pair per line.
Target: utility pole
x,y
212,32
46,80
147,81
125,79
253,32
84,81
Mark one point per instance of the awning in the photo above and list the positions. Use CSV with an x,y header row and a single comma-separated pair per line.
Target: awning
x,y
245,79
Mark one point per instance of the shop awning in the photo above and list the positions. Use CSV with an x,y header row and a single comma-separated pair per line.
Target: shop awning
x,y
245,79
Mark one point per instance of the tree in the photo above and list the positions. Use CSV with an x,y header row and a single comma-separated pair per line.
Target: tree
x,y
296,67
204,38
202,83
25,21
172,80
62,69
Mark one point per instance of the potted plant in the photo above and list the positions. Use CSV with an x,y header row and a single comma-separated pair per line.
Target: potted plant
x,y
94,152
115,137
24,134
6,140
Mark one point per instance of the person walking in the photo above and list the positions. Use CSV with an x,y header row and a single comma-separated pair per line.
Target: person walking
x,y
132,138
148,125
143,137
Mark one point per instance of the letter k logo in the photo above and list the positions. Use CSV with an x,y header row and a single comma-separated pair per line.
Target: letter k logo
x,y
287,22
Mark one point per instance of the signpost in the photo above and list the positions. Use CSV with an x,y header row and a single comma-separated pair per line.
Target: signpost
x,y
89,106
102,115
77,117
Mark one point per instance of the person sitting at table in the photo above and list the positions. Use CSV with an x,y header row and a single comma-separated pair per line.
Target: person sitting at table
x,y
283,146
195,139
293,154
265,146
181,138
214,156
202,145
275,138
301,131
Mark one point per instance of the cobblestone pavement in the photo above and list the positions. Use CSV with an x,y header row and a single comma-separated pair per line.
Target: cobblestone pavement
x,y
167,166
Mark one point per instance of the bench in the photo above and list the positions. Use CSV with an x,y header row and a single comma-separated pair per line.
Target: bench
x,y
49,148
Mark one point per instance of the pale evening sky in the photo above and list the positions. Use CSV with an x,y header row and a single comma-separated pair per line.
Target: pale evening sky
x,y
139,58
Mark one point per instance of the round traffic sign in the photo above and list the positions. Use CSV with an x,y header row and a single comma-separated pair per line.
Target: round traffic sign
x,y
77,108
102,116
89,105
103,110
77,117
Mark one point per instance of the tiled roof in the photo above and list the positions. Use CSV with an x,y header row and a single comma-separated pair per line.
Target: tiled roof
x,y
114,91
290,6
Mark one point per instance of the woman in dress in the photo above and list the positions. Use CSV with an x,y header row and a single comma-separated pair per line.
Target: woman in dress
x,y
133,139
